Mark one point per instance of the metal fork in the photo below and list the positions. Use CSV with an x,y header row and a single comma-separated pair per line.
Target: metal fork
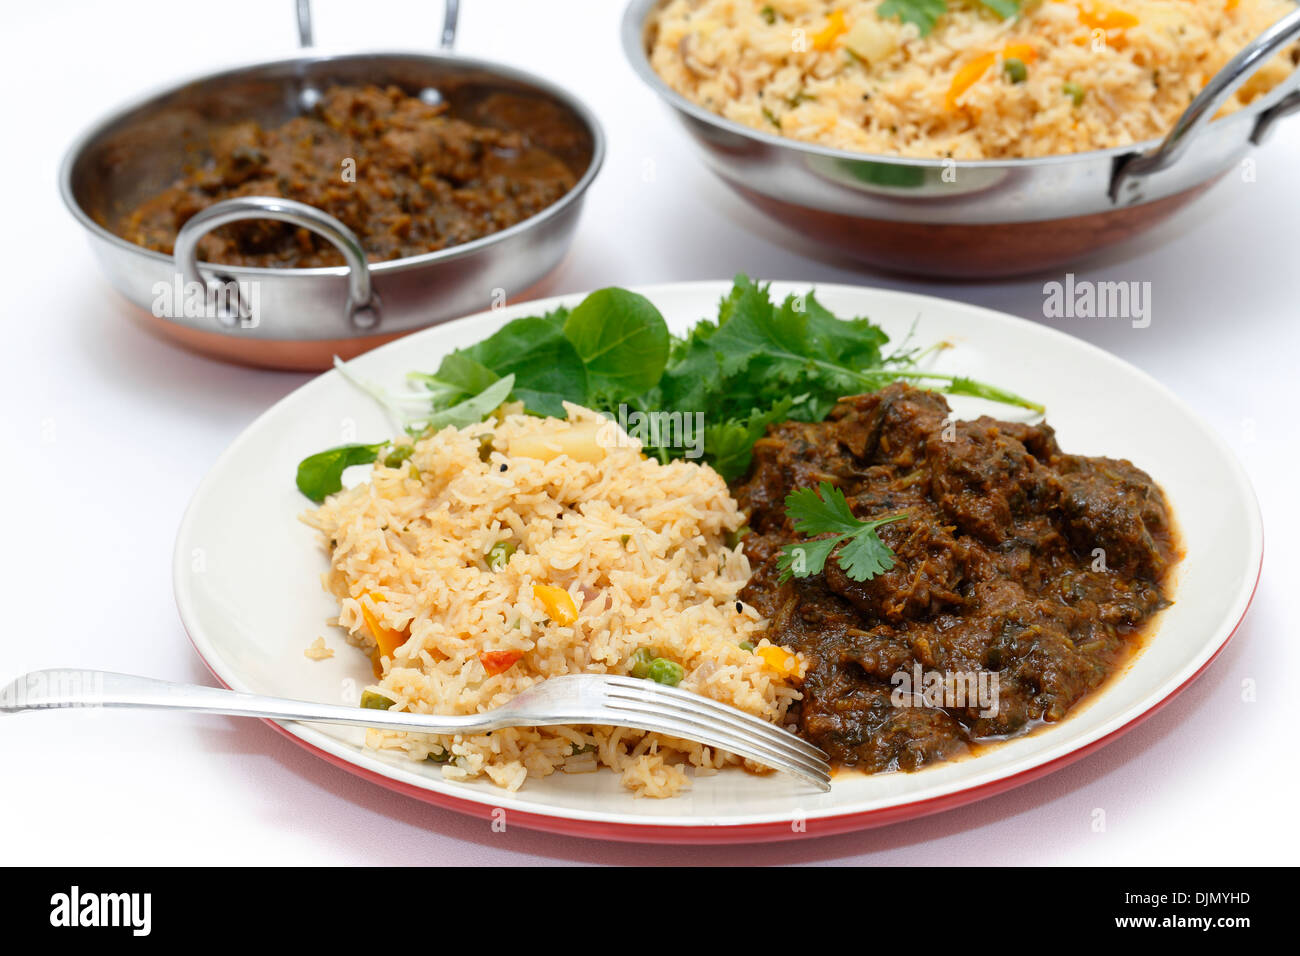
x,y
601,699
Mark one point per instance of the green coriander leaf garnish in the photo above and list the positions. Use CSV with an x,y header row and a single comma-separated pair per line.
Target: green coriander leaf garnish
x,y
755,364
863,555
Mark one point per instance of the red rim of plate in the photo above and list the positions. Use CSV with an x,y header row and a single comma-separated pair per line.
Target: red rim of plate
x,y
767,832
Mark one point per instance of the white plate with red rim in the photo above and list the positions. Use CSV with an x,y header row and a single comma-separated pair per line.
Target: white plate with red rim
x,y
247,574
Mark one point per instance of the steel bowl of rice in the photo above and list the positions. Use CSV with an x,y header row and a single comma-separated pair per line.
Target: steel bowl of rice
x,y
970,138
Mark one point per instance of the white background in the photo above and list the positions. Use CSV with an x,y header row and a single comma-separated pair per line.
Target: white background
x,y
106,432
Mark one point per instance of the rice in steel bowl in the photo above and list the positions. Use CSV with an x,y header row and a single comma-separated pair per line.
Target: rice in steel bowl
x,y
1065,76
613,552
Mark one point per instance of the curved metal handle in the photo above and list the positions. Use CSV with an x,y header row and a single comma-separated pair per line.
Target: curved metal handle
x,y
1130,169
363,304
450,17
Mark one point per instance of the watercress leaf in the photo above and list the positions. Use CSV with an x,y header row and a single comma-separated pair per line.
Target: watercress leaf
x,y
472,410
924,13
623,343
557,316
458,376
546,367
321,475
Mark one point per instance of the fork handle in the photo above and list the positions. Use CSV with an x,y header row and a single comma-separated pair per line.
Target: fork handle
x,y
67,687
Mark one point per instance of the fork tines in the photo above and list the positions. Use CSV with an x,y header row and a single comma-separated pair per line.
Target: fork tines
x,y
691,716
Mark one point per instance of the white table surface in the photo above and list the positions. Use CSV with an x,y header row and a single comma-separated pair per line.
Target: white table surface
x,y
107,430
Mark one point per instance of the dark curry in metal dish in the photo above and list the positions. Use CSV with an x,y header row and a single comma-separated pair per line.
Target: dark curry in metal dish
x,y
1012,558
403,174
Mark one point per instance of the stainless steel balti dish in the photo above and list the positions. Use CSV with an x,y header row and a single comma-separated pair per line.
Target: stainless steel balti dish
x,y
994,217
305,316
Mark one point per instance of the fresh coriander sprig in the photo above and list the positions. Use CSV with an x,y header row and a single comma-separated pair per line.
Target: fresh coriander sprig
x,y
754,364
863,555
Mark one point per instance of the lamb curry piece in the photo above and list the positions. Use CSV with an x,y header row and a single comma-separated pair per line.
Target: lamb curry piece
x,y
1014,558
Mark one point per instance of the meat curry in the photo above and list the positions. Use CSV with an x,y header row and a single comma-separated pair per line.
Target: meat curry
x,y
405,176
1012,559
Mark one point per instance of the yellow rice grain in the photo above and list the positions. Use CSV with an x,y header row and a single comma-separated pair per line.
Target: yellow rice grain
x,y
638,545
756,62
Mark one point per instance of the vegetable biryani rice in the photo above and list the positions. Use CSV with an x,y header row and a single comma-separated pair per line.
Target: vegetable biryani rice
x,y
613,554
1064,76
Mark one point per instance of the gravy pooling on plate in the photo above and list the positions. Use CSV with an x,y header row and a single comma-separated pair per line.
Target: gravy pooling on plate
x,y
1014,558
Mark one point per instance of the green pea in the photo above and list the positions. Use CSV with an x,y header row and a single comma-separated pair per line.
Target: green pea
x,y
1075,92
640,661
498,555
574,749
372,701
442,757
746,646
664,671
733,537
1015,70
398,455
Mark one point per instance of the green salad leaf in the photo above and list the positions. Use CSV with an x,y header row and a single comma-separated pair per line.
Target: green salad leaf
x,y
623,343
535,351
757,363
472,410
321,475
925,13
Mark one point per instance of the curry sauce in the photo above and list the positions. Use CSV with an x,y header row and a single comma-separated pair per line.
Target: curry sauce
x,y
1012,559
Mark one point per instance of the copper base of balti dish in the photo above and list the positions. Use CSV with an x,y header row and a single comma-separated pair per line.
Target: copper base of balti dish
x,y
971,251
981,218
287,355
